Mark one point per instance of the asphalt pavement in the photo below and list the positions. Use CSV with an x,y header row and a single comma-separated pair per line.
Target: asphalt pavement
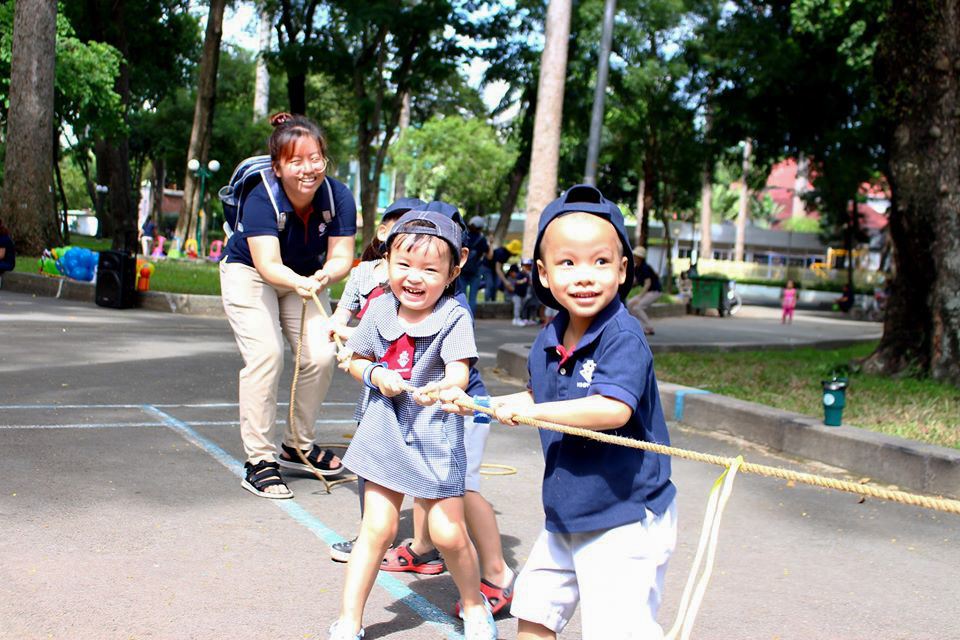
x,y
123,517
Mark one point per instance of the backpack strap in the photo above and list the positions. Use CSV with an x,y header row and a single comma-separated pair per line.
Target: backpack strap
x,y
328,214
273,192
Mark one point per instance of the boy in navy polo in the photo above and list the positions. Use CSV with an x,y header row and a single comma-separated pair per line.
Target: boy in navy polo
x,y
610,512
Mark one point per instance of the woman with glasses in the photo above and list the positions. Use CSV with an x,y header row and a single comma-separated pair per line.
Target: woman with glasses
x,y
289,243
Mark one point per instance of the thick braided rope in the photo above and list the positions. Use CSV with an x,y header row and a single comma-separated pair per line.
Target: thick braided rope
x,y
328,484
940,504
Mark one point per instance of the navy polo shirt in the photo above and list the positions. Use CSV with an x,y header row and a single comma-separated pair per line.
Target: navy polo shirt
x,y
303,246
590,485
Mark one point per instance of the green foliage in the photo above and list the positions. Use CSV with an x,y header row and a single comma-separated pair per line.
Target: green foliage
x,y
85,75
73,184
456,159
802,225
923,410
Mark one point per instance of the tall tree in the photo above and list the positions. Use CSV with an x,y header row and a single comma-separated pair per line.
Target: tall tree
x,y
297,46
382,50
202,130
917,68
27,206
545,151
138,30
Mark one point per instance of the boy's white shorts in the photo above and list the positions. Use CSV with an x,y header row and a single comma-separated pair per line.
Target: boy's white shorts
x,y
615,574
474,441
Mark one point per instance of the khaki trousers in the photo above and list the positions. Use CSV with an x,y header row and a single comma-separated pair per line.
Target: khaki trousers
x,y
261,316
637,306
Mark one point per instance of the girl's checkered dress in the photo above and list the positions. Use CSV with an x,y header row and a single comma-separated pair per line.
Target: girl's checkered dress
x,y
401,445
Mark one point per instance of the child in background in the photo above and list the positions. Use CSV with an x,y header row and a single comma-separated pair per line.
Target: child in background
x,y
403,446
789,303
530,305
610,511
519,281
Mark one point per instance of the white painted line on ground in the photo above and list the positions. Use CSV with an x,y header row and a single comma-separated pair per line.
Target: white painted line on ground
x,y
428,611
194,423
208,405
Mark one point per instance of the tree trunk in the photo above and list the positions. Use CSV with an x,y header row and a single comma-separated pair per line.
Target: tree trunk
x,y
63,228
667,240
369,187
599,93
159,179
297,91
202,129
800,185
261,92
121,209
515,181
638,237
27,203
105,223
520,166
706,211
744,203
545,153
400,178
917,65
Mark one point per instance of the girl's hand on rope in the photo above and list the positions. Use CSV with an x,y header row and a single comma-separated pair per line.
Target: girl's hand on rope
x,y
425,395
344,356
449,399
389,382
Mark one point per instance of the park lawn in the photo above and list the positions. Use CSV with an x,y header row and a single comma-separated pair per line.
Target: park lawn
x,y
924,410
171,275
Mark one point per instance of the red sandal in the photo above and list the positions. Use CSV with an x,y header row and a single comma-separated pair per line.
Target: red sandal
x,y
404,559
498,597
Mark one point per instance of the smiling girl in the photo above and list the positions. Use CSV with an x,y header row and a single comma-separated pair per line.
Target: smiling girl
x,y
416,336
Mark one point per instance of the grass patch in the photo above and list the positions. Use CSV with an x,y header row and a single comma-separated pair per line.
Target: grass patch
x,y
172,276
918,409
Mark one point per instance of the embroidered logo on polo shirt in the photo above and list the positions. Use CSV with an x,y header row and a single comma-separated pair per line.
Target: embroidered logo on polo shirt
x,y
586,372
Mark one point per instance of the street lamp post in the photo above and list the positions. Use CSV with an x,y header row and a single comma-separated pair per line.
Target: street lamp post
x,y
203,173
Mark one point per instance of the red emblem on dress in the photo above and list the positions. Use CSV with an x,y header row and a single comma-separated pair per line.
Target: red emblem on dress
x,y
399,356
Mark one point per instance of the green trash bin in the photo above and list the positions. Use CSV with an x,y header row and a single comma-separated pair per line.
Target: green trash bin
x,y
709,292
834,400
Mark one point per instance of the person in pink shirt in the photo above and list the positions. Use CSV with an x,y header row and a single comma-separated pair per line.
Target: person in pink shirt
x,y
788,303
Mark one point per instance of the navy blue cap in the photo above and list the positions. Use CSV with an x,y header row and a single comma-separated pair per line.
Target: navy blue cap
x,y
443,227
445,208
580,198
401,205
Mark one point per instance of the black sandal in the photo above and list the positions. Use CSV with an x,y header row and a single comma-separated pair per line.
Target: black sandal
x,y
262,475
321,460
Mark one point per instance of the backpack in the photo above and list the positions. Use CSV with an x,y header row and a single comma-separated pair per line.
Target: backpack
x,y
248,174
